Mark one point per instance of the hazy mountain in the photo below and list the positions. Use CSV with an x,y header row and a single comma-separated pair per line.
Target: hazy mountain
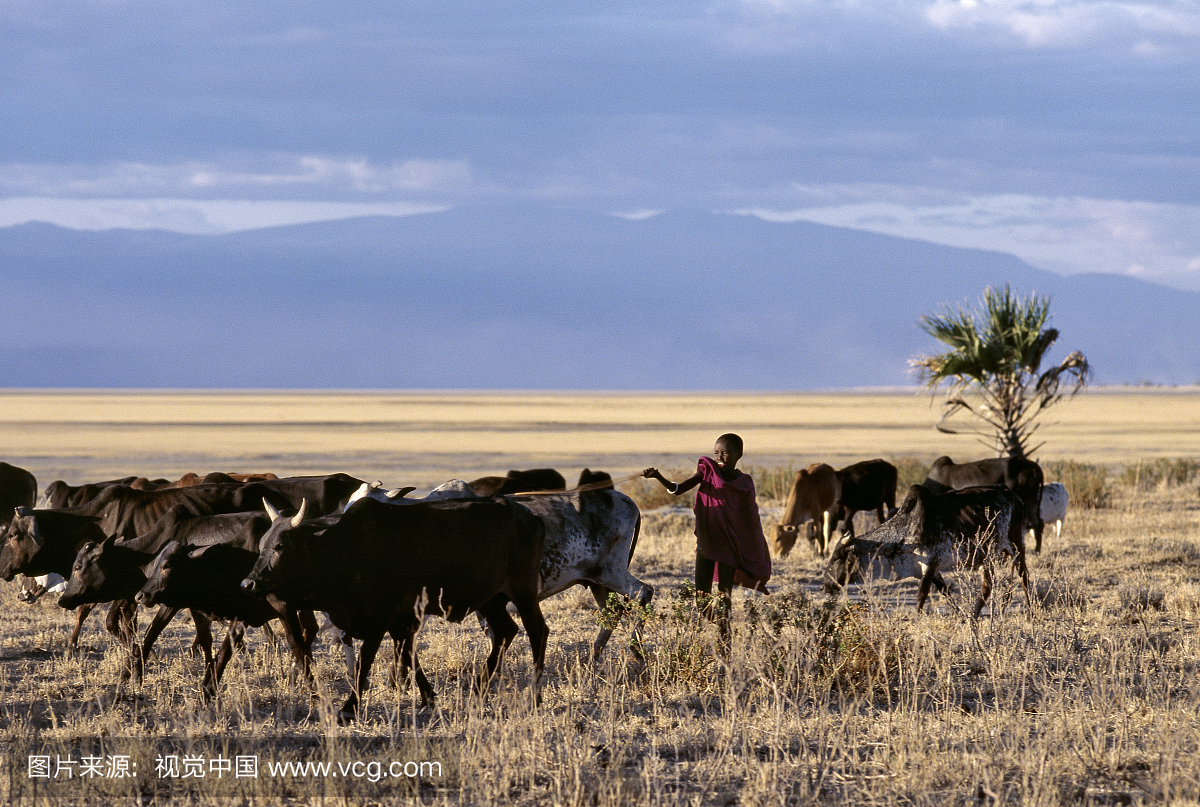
x,y
534,298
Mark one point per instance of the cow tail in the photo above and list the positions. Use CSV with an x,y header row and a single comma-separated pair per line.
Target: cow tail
x,y
637,529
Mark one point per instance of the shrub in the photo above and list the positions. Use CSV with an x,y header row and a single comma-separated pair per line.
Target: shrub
x,y
1086,484
1161,472
910,471
772,483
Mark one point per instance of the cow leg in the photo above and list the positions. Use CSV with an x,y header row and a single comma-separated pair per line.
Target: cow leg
x,y
626,584
293,632
926,583
1038,526
503,630
846,517
309,628
600,594
1023,572
234,638
366,657
405,639
985,589
81,614
121,621
204,637
162,617
538,633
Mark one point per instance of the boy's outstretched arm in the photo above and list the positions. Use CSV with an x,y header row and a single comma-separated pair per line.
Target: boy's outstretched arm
x,y
675,488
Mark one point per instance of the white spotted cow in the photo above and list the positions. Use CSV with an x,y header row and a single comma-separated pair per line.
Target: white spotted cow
x,y
1054,505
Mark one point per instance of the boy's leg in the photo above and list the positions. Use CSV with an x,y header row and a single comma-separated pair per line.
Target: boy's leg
x,y
725,575
704,580
704,573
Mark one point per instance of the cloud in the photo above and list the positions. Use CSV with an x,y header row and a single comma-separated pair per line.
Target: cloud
x,y
303,175
1065,234
1142,27
194,216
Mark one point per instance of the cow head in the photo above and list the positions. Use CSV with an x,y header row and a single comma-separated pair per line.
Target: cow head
x,y
271,570
92,579
159,572
785,539
22,540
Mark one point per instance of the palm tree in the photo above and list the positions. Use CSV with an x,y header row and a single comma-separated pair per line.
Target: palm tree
x,y
992,370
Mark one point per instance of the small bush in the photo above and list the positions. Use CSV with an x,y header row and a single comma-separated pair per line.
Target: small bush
x,y
1141,597
1162,472
1086,484
910,471
772,483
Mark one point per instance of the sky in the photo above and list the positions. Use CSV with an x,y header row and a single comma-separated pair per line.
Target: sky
x,y
1066,132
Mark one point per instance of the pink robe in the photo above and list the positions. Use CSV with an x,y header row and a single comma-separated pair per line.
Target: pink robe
x,y
728,528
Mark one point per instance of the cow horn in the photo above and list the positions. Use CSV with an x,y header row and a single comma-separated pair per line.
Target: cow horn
x,y
374,485
271,511
399,493
299,517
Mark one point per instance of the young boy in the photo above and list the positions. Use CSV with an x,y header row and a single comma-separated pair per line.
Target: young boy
x,y
729,533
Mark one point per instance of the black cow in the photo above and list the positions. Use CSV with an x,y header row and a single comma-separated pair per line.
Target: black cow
x,y
59,494
865,486
534,479
378,567
114,570
208,578
1023,477
595,480
45,541
936,532
18,488
324,494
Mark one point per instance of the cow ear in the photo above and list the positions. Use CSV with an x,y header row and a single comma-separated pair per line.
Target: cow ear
x,y
199,551
399,493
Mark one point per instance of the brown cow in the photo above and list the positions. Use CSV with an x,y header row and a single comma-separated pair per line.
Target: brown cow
x,y
813,496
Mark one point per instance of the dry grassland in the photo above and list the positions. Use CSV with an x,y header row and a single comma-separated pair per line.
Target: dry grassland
x,y
1091,697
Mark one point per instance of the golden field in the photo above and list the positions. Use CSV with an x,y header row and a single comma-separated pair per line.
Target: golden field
x,y
1090,697
423,438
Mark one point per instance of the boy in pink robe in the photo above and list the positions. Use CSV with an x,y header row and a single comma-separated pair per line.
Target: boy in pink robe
x,y
729,533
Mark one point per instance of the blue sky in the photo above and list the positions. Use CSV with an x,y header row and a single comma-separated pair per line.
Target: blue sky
x,y
1067,133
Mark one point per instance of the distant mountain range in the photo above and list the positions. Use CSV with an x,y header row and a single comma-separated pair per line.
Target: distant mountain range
x,y
535,298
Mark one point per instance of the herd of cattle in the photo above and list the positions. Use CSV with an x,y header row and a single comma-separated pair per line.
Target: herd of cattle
x,y
255,549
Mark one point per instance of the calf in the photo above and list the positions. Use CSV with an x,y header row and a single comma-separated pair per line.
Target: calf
x,y
32,588
811,499
865,486
1023,477
1054,506
934,532
379,568
208,578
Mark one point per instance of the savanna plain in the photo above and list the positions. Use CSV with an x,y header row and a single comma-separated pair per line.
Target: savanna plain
x,y
1087,696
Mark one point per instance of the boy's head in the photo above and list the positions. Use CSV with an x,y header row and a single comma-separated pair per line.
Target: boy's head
x,y
728,450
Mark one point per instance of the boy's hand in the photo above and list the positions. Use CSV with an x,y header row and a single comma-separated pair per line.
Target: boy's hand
x,y
650,473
